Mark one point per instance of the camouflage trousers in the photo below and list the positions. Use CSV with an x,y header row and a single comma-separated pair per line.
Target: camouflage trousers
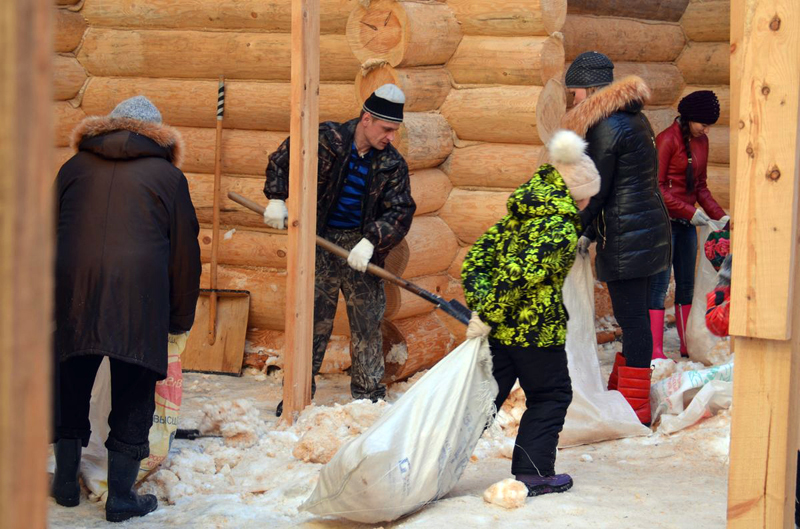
x,y
366,303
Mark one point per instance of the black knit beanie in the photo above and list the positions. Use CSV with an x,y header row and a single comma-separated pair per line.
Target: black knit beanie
x,y
701,106
590,69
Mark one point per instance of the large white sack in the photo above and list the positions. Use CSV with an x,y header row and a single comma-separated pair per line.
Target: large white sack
x,y
702,345
595,413
416,452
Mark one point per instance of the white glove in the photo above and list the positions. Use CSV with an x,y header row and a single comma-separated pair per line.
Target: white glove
x,y
275,214
476,328
360,255
583,245
700,218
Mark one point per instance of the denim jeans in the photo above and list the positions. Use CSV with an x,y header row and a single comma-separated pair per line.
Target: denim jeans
x,y
684,258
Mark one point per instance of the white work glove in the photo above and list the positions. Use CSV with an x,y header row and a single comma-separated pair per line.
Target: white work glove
x,y
583,245
275,214
476,328
700,218
360,255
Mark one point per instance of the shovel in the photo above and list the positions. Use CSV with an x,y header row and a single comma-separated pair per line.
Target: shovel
x,y
452,307
220,349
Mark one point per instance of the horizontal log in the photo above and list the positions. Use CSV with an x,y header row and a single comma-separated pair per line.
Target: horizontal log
x,y
664,79
470,213
401,303
243,151
708,21
506,114
425,139
245,248
510,18
719,146
667,10
68,77
68,31
60,156
197,54
266,348
241,15
492,165
455,267
66,118
425,87
267,296
403,33
190,103
432,246
706,63
430,189
660,118
507,60
426,341
723,93
719,184
623,39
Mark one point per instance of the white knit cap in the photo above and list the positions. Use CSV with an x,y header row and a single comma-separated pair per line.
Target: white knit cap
x,y
568,155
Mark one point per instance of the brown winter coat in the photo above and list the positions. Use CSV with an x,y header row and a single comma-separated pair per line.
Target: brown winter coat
x,y
388,208
127,258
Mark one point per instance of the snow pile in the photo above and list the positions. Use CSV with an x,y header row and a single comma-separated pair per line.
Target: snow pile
x,y
237,421
666,368
323,430
509,494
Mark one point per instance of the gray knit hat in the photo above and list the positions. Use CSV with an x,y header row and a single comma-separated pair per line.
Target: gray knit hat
x,y
590,69
139,108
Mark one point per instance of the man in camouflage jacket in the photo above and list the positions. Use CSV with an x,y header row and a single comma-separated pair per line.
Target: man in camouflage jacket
x,y
364,204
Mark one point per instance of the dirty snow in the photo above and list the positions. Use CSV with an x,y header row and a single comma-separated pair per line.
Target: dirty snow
x,y
509,494
258,472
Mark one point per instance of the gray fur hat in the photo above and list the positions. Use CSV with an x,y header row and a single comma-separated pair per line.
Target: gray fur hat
x,y
139,108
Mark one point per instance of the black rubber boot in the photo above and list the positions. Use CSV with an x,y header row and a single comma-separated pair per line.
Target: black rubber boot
x,y
123,503
66,489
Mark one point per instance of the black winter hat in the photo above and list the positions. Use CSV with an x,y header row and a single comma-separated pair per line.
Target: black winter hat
x,y
590,69
701,107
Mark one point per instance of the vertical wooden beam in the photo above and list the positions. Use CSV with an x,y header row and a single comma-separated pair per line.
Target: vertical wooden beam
x,y
26,244
302,207
765,39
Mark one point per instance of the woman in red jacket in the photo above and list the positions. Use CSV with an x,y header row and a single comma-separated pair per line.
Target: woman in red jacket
x,y
682,180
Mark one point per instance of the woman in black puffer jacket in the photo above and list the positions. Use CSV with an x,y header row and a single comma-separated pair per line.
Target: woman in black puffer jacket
x,y
627,217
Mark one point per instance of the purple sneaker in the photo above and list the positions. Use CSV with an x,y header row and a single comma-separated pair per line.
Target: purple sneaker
x,y
538,485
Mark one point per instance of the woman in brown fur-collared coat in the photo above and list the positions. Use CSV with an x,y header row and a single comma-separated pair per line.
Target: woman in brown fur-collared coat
x,y
127,274
627,217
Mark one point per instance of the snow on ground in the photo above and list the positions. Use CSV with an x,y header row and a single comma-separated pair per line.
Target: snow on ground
x,y
259,472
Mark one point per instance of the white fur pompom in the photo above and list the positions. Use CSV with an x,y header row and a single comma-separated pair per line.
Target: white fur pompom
x,y
566,147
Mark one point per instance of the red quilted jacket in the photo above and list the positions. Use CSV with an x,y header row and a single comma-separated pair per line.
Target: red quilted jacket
x,y
672,162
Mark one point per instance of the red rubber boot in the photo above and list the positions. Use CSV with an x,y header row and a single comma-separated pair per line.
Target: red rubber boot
x,y
634,384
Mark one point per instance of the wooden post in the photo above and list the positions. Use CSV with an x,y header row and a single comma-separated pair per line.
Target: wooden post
x,y
302,207
26,252
764,316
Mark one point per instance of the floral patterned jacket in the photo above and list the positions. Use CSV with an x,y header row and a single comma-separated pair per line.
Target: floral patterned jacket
x,y
514,273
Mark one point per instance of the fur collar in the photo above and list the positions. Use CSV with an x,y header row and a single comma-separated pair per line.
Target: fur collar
x,y
164,135
605,102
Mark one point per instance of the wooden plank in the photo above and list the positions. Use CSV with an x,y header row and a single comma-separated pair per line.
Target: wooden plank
x,y
302,207
767,171
26,257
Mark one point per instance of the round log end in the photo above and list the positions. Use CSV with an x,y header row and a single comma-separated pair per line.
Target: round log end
x,y
377,31
393,300
397,260
554,15
376,77
550,108
552,58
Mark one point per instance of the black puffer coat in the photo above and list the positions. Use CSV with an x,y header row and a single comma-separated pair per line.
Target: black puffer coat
x,y
127,261
627,217
388,208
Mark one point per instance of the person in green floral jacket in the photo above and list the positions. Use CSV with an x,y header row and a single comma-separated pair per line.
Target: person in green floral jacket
x,y
513,277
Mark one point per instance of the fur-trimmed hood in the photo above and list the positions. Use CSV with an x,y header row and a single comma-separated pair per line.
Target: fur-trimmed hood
x,y
626,92
164,136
